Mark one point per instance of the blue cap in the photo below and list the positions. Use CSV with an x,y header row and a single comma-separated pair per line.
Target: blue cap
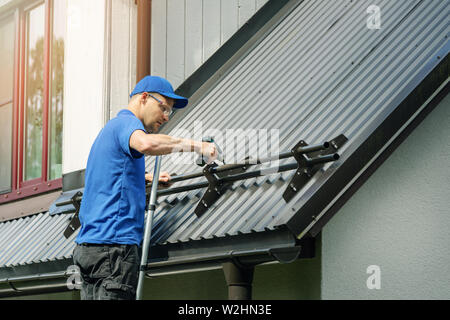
x,y
161,86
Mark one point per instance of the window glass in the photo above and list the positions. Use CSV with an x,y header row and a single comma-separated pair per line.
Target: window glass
x,y
57,90
5,146
6,93
34,98
6,59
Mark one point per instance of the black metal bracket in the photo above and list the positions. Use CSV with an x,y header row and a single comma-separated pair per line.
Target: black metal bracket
x,y
310,159
216,187
74,223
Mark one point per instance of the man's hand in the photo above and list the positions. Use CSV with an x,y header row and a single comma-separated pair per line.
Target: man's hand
x,y
209,151
164,179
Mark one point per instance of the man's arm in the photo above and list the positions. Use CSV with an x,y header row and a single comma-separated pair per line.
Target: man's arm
x,y
161,144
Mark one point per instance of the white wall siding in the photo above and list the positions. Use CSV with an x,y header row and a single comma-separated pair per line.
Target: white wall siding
x,y
185,33
194,42
175,40
123,54
211,27
158,38
229,19
84,70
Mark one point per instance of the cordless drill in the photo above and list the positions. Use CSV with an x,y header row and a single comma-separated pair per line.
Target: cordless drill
x,y
201,160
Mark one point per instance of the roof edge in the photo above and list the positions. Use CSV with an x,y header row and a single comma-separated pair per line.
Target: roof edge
x,y
383,156
342,177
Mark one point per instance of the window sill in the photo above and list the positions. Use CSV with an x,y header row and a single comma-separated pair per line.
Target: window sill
x,y
31,190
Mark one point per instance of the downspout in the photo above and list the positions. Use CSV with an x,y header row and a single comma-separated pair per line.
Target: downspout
x,y
239,274
239,280
143,46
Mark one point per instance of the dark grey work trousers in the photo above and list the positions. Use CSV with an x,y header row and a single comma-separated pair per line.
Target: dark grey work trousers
x,y
108,272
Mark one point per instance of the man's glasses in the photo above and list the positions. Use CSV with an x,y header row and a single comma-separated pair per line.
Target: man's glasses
x,y
167,111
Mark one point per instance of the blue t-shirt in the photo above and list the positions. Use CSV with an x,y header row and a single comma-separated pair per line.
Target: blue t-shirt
x,y
113,207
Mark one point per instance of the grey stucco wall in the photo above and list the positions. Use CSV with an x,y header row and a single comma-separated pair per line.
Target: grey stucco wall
x,y
398,220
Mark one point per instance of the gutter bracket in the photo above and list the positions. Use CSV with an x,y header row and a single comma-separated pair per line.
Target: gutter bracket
x,y
13,287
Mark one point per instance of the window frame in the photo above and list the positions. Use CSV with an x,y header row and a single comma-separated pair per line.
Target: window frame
x,y
20,188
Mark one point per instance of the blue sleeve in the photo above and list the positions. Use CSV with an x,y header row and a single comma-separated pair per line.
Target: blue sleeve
x,y
127,126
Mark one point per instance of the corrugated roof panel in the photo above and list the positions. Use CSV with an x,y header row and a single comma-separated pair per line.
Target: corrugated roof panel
x,y
39,224
33,239
10,227
19,237
45,229
40,238
55,242
319,73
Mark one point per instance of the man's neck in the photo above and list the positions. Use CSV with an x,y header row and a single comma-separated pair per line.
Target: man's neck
x,y
135,110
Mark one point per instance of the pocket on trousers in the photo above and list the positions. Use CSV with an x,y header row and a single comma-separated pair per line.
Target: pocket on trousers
x,y
118,291
93,261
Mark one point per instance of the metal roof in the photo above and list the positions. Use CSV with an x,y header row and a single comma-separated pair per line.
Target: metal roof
x,y
317,72
34,239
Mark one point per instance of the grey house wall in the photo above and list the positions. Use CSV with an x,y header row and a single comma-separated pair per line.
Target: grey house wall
x,y
398,220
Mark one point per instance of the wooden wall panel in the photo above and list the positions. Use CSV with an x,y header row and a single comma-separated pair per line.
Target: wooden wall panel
x,y
185,33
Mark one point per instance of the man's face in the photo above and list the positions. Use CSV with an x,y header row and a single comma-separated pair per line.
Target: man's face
x,y
155,110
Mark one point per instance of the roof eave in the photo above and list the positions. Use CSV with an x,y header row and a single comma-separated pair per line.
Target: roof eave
x,y
344,177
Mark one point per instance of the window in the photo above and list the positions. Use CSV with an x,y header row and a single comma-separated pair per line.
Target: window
x,y
31,98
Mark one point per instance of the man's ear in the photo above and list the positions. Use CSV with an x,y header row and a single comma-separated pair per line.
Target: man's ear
x,y
144,97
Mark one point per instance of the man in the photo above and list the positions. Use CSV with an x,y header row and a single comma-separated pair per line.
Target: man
x,y
113,206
